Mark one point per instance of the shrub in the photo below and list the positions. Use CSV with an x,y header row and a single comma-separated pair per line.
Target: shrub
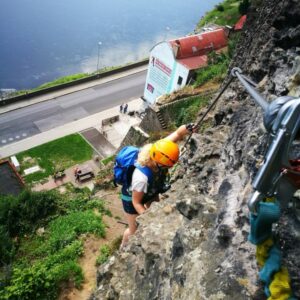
x,y
220,7
34,282
40,264
105,252
25,212
226,13
108,159
7,249
65,229
41,280
216,69
232,43
179,112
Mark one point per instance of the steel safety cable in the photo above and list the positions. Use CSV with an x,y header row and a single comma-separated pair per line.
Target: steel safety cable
x,y
199,123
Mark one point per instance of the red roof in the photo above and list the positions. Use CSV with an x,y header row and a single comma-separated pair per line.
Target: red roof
x,y
193,63
240,24
199,44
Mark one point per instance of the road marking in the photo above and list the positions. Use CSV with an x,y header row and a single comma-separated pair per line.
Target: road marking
x,y
3,141
24,134
10,139
17,136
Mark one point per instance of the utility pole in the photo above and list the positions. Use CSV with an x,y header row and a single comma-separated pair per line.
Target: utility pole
x,y
99,44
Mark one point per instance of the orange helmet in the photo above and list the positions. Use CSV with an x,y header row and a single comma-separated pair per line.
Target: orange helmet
x,y
165,152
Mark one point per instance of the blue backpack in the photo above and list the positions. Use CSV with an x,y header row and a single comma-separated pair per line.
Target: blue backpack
x,y
124,166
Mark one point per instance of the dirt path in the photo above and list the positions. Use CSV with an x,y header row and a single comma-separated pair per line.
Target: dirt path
x,y
92,245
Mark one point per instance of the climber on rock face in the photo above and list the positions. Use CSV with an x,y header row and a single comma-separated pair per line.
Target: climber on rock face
x,y
149,176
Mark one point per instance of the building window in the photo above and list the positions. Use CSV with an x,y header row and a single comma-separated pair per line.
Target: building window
x,y
150,88
179,80
194,49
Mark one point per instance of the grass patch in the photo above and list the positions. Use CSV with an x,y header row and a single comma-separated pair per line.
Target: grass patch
x,y
218,63
108,159
216,69
225,13
53,156
65,79
104,255
107,250
184,112
55,82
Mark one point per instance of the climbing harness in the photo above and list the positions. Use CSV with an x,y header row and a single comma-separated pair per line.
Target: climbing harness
x,y
274,276
282,122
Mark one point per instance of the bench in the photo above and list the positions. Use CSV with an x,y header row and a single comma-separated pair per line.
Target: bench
x,y
59,175
84,172
83,177
110,120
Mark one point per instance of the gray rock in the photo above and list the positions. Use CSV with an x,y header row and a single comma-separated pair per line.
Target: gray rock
x,y
194,244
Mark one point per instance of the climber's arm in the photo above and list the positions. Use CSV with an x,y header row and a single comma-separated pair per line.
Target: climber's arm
x,y
137,201
181,132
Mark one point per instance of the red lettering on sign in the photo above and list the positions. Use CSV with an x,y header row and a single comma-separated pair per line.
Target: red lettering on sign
x,y
163,67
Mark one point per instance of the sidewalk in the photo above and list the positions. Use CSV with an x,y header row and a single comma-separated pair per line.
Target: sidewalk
x,y
53,184
70,128
69,90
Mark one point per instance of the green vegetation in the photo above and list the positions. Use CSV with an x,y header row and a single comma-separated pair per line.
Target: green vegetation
x,y
104,255
226,13
66,79
62,80
218,64
41,233
184,112
54,156
42,241
108,160
216,69
58,81
107,250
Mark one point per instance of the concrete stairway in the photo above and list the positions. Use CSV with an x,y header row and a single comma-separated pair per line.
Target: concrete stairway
x,y
161,120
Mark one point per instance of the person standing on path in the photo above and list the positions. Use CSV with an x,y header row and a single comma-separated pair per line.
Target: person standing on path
x,y
121,108
125,108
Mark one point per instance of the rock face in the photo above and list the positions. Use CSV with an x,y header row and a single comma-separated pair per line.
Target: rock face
x,y
193,244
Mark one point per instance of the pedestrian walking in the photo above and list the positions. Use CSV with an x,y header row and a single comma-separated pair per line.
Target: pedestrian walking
x,y
125,108
121,108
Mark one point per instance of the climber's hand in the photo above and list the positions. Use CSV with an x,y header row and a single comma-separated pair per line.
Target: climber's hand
x,y
192,127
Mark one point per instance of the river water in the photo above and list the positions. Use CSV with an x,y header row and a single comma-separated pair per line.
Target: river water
x,y
41,40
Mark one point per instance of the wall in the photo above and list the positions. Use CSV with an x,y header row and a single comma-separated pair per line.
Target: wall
x,y
178,70
171,111
150,122
135,137
71,83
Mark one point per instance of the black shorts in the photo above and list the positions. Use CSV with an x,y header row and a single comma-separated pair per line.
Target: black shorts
x,y
129,208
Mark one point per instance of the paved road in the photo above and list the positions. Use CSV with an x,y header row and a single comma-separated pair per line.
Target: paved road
x,y
24,122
